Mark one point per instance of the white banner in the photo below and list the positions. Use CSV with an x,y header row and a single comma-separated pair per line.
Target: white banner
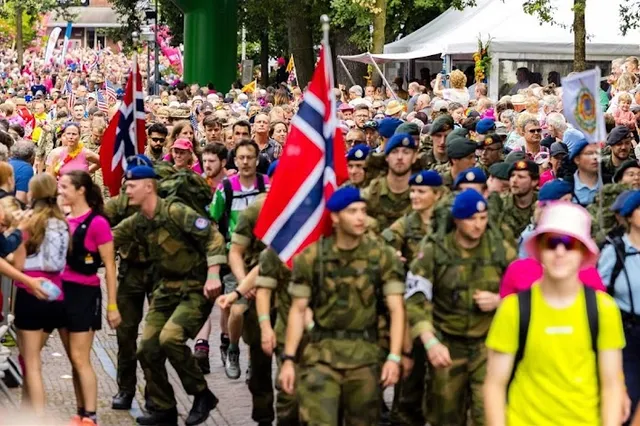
x,y
51,44
580,95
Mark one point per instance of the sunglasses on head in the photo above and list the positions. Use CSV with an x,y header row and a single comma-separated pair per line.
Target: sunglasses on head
x,y
552,241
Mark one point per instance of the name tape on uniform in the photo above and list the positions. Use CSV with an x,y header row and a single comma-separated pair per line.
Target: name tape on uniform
x,y
417,284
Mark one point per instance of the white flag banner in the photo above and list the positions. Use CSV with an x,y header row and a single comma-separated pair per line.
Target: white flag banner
x,y
580,94
53,39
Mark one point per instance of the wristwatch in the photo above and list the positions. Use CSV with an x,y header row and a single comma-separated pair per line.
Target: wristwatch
x,y
284,357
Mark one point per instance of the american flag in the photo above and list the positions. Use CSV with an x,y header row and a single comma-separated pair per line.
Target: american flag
x,y
102,103
111,91
313,161
91,65
68,90
125,136
194,123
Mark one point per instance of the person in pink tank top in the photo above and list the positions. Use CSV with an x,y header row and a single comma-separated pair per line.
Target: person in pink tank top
x,y
73,155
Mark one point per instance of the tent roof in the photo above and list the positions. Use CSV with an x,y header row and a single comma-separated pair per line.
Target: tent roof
x,y
88,17
514,31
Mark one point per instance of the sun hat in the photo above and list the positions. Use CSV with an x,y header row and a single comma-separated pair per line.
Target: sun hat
x,y
393,107
565,218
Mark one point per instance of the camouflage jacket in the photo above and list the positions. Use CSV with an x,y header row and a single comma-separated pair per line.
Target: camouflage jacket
x,y
609,194
429,161
344,289
514,217
116,210
275,276
405,234
376,165
181,244
243,232
384,205
443,279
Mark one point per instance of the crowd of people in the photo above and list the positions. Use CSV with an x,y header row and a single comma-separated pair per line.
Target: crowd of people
x,y
469,228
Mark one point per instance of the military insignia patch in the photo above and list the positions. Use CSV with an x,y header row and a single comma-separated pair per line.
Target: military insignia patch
x,y
488,141
522,165
481,206
419,179
470,176
201,223
405,142
359,153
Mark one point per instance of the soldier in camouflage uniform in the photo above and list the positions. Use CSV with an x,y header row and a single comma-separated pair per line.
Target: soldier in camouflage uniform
x,y
135,283
343,278
620,140
185,252
462,155
490,151
451,296
356,165
388,196
518,205
498,180
405,235
609,194
436,155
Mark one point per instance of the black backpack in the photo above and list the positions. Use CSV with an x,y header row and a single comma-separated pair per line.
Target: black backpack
x,y
621,258
223,223
524,307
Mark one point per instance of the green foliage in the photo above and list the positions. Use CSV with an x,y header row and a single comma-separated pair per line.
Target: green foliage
x,y
629,15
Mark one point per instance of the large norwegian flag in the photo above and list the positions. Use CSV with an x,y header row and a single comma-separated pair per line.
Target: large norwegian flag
x,y
125,136
310,169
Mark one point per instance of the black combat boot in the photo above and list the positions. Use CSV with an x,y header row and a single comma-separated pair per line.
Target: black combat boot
x,y
203,403
159,418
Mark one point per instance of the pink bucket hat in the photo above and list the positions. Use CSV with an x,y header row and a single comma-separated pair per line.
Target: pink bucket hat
x,y
183,144
565,218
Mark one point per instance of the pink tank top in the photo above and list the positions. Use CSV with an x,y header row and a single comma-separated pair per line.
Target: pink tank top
x,y
78,163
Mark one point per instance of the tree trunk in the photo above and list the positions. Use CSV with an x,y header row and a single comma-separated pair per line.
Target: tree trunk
x,y
19,47
580,36
301,40
379,23
343,46
264,58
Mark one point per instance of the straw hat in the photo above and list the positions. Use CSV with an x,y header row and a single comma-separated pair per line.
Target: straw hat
x,y
394,107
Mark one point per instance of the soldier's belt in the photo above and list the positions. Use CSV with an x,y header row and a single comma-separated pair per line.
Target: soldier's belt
x,y
318,334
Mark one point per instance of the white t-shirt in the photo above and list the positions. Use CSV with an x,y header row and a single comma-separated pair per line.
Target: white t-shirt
x,y
460,96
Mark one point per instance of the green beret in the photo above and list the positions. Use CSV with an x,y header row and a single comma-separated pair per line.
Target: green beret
x,y
457,132
500,170
515,156
410,128
443,123
460,147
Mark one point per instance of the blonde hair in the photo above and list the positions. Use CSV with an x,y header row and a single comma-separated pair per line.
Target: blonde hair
x,y
624,97
626,82
522,118
9,206
531,102
458,79
43,188
6,172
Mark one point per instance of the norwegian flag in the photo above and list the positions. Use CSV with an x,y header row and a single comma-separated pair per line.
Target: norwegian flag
x,y
311,167
111,91
68,90
125,136
102,102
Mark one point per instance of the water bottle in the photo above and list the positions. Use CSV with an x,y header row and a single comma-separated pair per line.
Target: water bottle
x,y
52,290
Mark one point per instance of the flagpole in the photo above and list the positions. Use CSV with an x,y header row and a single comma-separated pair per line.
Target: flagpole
x,y
134,75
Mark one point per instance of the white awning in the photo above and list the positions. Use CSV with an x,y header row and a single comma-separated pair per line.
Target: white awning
x,y
88,17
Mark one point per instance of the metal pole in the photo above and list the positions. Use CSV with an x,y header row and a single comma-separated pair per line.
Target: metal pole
x,y
149,87
353,83
384,80
156,68
244,43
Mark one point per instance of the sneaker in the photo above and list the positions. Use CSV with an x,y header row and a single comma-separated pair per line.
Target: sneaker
x,y
201,354
8,341
232,367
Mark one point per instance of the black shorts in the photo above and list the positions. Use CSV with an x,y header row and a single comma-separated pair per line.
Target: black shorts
x,y
34,314
83,307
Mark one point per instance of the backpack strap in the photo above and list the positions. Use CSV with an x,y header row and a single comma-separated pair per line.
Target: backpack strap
x,y
591,303
620,266
228,196
261,186
524,312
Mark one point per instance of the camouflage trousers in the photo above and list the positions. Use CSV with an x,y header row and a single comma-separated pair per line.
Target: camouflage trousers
x,y
456,390
323,390
408,397
174,316
287,409
134,285
260,382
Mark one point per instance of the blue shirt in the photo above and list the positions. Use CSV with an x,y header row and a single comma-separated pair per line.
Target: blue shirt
x,y
522,251
621,294
583,193
23,172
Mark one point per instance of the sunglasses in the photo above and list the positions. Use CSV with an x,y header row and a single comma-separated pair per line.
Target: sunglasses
x,y
532,131
552,241
355,141
158,139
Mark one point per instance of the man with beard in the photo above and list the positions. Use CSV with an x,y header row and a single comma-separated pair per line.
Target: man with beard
x,y
156,135
620,141
214,160
519,204
388,196
440,129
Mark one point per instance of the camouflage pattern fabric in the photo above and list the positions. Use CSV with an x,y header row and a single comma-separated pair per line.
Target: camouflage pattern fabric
x,y
376,165
405,234
323,390
287,407
275,276
383,205
514,217
608,168
457,390
409,393
188,188
45,145
156,158
243,233
428,160
175,315
609,194
443,221
346,300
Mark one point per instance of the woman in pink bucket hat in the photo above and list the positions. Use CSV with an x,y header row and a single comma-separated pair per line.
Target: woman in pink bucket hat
x,y
183,157
555,351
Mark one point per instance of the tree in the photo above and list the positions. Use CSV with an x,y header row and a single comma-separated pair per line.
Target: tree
x,y
32,10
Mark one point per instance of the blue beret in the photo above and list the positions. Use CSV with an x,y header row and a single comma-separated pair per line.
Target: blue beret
x,y
631,203
358,152
472,175
139,160
467,203
341,199
426,178
399,140
485,125
554,190
571,136
272,168
387,127
141,172
577,148
620,200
